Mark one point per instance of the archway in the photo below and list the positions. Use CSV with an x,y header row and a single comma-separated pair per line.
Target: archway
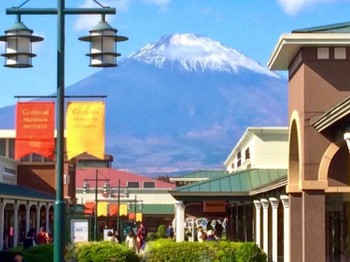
x,y
21,223
32,217
294,158
8,226
43,216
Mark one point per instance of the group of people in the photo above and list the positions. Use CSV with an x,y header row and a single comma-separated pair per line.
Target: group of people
x,y
32,240
133,241
210,235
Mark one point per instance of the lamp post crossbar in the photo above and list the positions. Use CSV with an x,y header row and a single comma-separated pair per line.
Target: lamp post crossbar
x,y
60,11
92,96
66,11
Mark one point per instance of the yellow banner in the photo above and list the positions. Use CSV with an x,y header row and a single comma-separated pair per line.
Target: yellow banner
x,y
123,209
102,209
85,129
138,217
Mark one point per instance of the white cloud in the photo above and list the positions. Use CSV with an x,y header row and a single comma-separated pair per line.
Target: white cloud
x,y
292,7
87,22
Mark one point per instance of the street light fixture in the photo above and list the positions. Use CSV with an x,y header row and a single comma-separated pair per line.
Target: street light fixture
x,y
19,45
21,58
102,44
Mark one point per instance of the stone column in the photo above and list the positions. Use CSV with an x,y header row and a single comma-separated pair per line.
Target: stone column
x,y
286,229
38,207
295,215
313,219
27,218
47,218
257,205
274,205
15,226
180,218
193,229
265,204
2,218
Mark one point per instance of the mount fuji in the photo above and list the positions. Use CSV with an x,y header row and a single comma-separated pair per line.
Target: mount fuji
x,y
181,104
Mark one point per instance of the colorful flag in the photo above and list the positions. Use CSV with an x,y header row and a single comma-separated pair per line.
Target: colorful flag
x,y
102,209
85,129
113,209
35,127
139,217
123,209
89,207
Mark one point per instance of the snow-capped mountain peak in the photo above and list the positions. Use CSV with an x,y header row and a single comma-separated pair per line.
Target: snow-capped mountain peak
x,y
197,53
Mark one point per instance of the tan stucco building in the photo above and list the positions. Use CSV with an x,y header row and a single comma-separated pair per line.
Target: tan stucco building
x,y
318,63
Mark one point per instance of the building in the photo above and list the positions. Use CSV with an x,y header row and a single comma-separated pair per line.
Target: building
x,y
141,198
255,177
21,207
318,64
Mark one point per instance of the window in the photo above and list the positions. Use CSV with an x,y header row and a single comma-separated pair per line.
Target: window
x,y
149,185
36,157
322,53
12,148
3,147
134,184
247,154
339,53
239,156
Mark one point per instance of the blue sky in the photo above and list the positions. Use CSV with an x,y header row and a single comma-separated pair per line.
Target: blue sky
x,y
251,26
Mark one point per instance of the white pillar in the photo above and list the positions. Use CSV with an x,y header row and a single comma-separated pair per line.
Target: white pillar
x,y
15,226
38,207
257,205
274,204
27,217
286,228
2,218
265,204
180,218
193,229
47,218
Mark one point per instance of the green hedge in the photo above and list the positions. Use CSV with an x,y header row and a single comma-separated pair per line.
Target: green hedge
x,y
164,250
39,253
103,251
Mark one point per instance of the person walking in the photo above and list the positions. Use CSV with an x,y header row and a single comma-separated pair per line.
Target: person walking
x,y
131,242
43,237
169,232
110,237
29,241
142,234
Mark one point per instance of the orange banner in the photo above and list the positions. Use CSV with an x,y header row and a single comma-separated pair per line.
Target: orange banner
x,y
85,129
35,126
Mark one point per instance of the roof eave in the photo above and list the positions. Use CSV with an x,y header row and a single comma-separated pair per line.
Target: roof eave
x,y
333,115
289,45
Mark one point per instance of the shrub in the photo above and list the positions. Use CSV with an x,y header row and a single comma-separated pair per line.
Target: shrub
x,y
151,236
166,250
161,232
250,252
39,253
8,254
103,251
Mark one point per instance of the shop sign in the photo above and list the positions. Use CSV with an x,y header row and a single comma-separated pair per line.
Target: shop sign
x,y
214,206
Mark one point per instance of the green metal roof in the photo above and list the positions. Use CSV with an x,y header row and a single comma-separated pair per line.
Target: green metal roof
x,y
22,191
333,28
153,209
204,174
242,181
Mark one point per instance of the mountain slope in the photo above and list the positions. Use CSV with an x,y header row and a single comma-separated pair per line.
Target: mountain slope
x,y
182,103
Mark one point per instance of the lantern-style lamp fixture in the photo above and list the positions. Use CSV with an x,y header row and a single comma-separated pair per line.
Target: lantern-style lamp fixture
x,y
102,44
85,187
19,45
106,187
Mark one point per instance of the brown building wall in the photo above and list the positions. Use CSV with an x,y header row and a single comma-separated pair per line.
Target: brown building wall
x,y
43,177
314,87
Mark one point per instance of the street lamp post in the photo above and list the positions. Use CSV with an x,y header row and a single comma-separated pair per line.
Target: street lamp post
x,y
60,12
105,190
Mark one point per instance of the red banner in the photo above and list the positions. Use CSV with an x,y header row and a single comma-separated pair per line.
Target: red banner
x,y
35,128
